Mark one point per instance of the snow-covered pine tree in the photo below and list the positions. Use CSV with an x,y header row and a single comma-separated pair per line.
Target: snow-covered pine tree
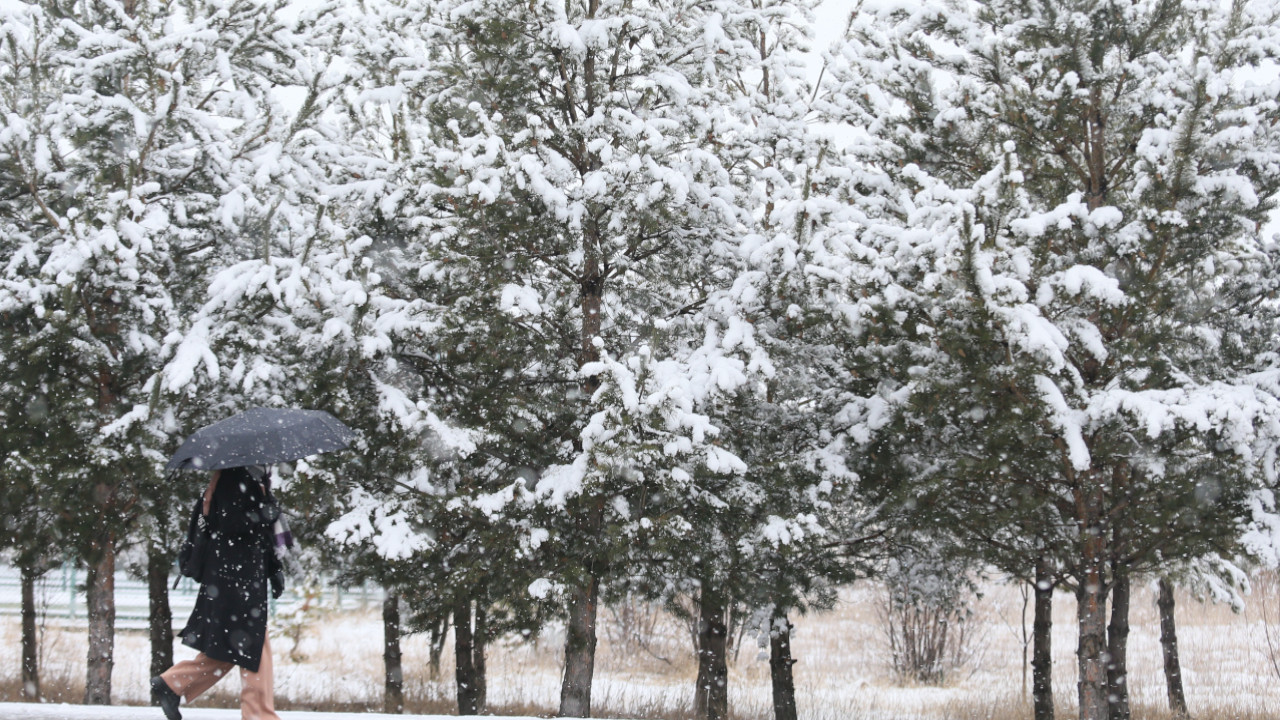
x,y
775,535
581,205
129,130
403,513
59,357
948,418
34,444
311,308
29,527
1090,179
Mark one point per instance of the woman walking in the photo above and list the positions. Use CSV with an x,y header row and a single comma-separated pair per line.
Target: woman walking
x,y
228,625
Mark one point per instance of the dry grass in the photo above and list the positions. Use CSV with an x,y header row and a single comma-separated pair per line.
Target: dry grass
x,y
842,671
62,672
1013,710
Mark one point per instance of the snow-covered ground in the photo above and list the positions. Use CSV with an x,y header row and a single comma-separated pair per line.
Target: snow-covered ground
x,y
841,672
25,711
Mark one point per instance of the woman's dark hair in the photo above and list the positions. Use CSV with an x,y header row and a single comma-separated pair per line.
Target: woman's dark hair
x,y
237,474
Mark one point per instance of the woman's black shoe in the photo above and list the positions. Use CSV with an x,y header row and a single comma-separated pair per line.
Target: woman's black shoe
x,y
167,697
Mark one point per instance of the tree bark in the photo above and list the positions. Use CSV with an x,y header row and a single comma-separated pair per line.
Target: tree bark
x,y
160,619
393,686
1091,604
1026,595
100,592
1169,644
1118,646
780,662
480,642
439,634
30,641
580,628
1042,644
711,695
464,667
580,650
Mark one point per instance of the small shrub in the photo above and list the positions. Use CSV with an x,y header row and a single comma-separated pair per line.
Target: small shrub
x,y
926,616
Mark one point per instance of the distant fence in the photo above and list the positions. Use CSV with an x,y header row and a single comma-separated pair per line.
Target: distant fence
x,y
60,597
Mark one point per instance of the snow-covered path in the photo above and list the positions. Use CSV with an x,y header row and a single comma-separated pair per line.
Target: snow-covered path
x,y
28,711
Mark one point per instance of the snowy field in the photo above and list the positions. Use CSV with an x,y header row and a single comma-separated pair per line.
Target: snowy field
x,y
21,711
841,672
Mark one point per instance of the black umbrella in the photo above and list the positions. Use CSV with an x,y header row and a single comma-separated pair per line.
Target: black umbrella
x,y
261,436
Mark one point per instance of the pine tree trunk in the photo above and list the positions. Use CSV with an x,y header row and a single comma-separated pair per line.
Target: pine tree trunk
x,y
780,662
1169,644
1091,606
439,634
580,650
464,668
1022,627
480,642
160,619
711,695
393,686
580,628
1092,594
1042,644
1118,646
102,624
30,641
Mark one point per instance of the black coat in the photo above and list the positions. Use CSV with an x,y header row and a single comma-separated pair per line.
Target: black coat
x,y
229,621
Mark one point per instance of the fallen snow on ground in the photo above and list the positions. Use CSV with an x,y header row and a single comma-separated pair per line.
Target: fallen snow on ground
x,y
841,673
26,711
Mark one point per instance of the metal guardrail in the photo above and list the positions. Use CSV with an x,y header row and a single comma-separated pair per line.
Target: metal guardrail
x,y
60,597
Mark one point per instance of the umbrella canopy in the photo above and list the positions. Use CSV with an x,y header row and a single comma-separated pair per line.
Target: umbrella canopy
x,y
261,436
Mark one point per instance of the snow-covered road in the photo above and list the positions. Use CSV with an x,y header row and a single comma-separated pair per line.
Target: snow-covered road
x,y
26,711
